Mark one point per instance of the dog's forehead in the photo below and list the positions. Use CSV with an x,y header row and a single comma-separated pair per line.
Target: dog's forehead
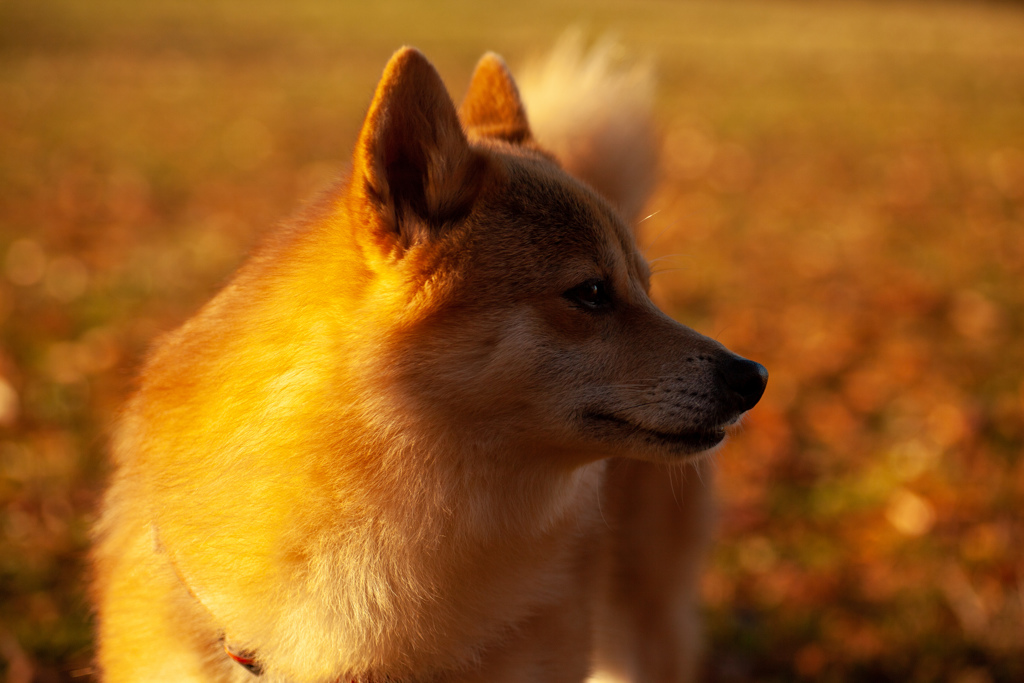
x,y
550,215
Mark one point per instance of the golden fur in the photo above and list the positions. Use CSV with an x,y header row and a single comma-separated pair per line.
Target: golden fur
x,y
382,451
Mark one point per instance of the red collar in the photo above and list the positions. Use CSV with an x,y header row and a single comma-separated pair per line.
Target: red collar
x,y
247,660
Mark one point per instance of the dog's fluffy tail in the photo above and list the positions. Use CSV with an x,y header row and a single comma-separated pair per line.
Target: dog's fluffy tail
x,y
594,112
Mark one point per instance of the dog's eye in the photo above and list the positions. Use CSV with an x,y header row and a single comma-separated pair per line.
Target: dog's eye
x,y
591,295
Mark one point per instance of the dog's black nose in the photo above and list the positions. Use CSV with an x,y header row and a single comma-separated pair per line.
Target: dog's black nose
x,y
746,378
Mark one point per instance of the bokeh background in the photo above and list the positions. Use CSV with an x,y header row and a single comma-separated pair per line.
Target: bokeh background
x,y
843,200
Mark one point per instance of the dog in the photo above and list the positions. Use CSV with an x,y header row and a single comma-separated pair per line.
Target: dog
x,y
426,432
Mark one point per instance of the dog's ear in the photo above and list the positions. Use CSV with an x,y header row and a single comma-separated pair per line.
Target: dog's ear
x,y
492,106
413,166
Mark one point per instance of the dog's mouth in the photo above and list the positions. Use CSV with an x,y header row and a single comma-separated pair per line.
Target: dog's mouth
x,y
692,441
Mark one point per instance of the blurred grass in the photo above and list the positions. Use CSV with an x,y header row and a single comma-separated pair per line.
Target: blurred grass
x,y
843,201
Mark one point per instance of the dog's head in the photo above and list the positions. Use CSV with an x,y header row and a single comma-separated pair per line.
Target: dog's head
x,y
511,298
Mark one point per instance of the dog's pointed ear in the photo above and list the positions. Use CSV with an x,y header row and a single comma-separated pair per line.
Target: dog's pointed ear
x,y
492,106
413,166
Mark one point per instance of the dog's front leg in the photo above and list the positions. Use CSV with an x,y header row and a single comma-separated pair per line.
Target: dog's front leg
x,y
646,624
554,644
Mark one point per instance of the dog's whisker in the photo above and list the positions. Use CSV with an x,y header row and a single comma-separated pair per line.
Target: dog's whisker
x,y
650,245
634,407
664,257
659,271
648,216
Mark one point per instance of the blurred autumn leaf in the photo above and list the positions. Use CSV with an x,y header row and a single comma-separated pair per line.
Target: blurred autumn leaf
x,y
843,201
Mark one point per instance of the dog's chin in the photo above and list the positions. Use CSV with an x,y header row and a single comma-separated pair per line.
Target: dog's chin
x,y
638,439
